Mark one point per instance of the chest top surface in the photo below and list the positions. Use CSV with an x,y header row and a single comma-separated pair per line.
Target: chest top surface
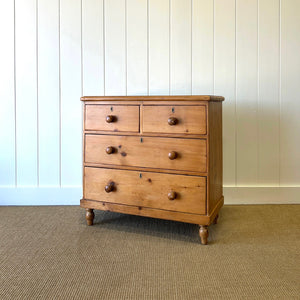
x,y
154,98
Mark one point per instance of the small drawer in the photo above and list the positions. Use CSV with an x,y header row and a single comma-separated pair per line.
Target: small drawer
x,y
148,152
112,117
178,119
146,189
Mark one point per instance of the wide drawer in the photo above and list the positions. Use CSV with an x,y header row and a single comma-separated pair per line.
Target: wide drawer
x,y
174,119
152,152
146,189
112,117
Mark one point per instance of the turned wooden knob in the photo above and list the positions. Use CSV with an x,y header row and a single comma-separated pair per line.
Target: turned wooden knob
x,y
110,150
109,187
110,119
172,195
172,155
172,121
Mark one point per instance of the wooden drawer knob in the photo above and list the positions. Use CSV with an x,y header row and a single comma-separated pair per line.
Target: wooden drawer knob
x,y
110,187
110,150
172,121
172,195
172,155
110,119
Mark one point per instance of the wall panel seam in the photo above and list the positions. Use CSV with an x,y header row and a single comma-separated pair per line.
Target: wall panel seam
x,y
258,96
81,50
103,20
148,37
59,76
213,47
126,46
236,99
280,89
15,97
81,66
192,1
37,95
170,46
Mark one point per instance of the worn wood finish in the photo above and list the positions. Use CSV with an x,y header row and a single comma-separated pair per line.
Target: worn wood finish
x,y
146,189
147,169
154,98
118,101
112,117
155,156
144,211
149,152
150,212
179,135
215,158
89,215
203,233
174,119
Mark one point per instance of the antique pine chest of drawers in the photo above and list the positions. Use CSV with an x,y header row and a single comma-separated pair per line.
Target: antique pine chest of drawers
x,y
155,156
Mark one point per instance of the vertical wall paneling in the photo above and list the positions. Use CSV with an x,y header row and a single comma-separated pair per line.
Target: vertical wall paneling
x,y
268,92
290,94
247,92
26,92
56,50
115,47
159,38
7,95
48,93
224,75
92,47
70,69
180,72
203,47
137,43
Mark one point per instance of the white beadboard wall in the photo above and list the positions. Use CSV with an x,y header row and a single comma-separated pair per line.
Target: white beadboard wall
x,y
54,51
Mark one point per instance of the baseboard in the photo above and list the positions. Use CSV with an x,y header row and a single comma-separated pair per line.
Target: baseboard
x,y
72,195
261,195
40,196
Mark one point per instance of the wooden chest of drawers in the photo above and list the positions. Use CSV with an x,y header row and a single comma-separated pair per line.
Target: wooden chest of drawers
x,y
155,156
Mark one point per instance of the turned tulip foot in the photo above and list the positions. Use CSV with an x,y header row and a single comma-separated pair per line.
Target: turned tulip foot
x,y
89,215
216,219
203,233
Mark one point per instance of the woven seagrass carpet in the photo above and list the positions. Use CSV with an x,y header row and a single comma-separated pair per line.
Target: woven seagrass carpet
x,y
49,252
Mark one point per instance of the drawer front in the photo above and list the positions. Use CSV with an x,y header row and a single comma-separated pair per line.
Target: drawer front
x,y
146,189
152,152
174,119
112,117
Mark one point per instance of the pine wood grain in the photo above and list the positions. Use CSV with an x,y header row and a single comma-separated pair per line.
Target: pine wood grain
x,y
125,118
147,189
190,119
215,158
152,152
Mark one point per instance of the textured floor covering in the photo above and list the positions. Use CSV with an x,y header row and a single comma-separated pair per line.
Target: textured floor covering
x,y
50,253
